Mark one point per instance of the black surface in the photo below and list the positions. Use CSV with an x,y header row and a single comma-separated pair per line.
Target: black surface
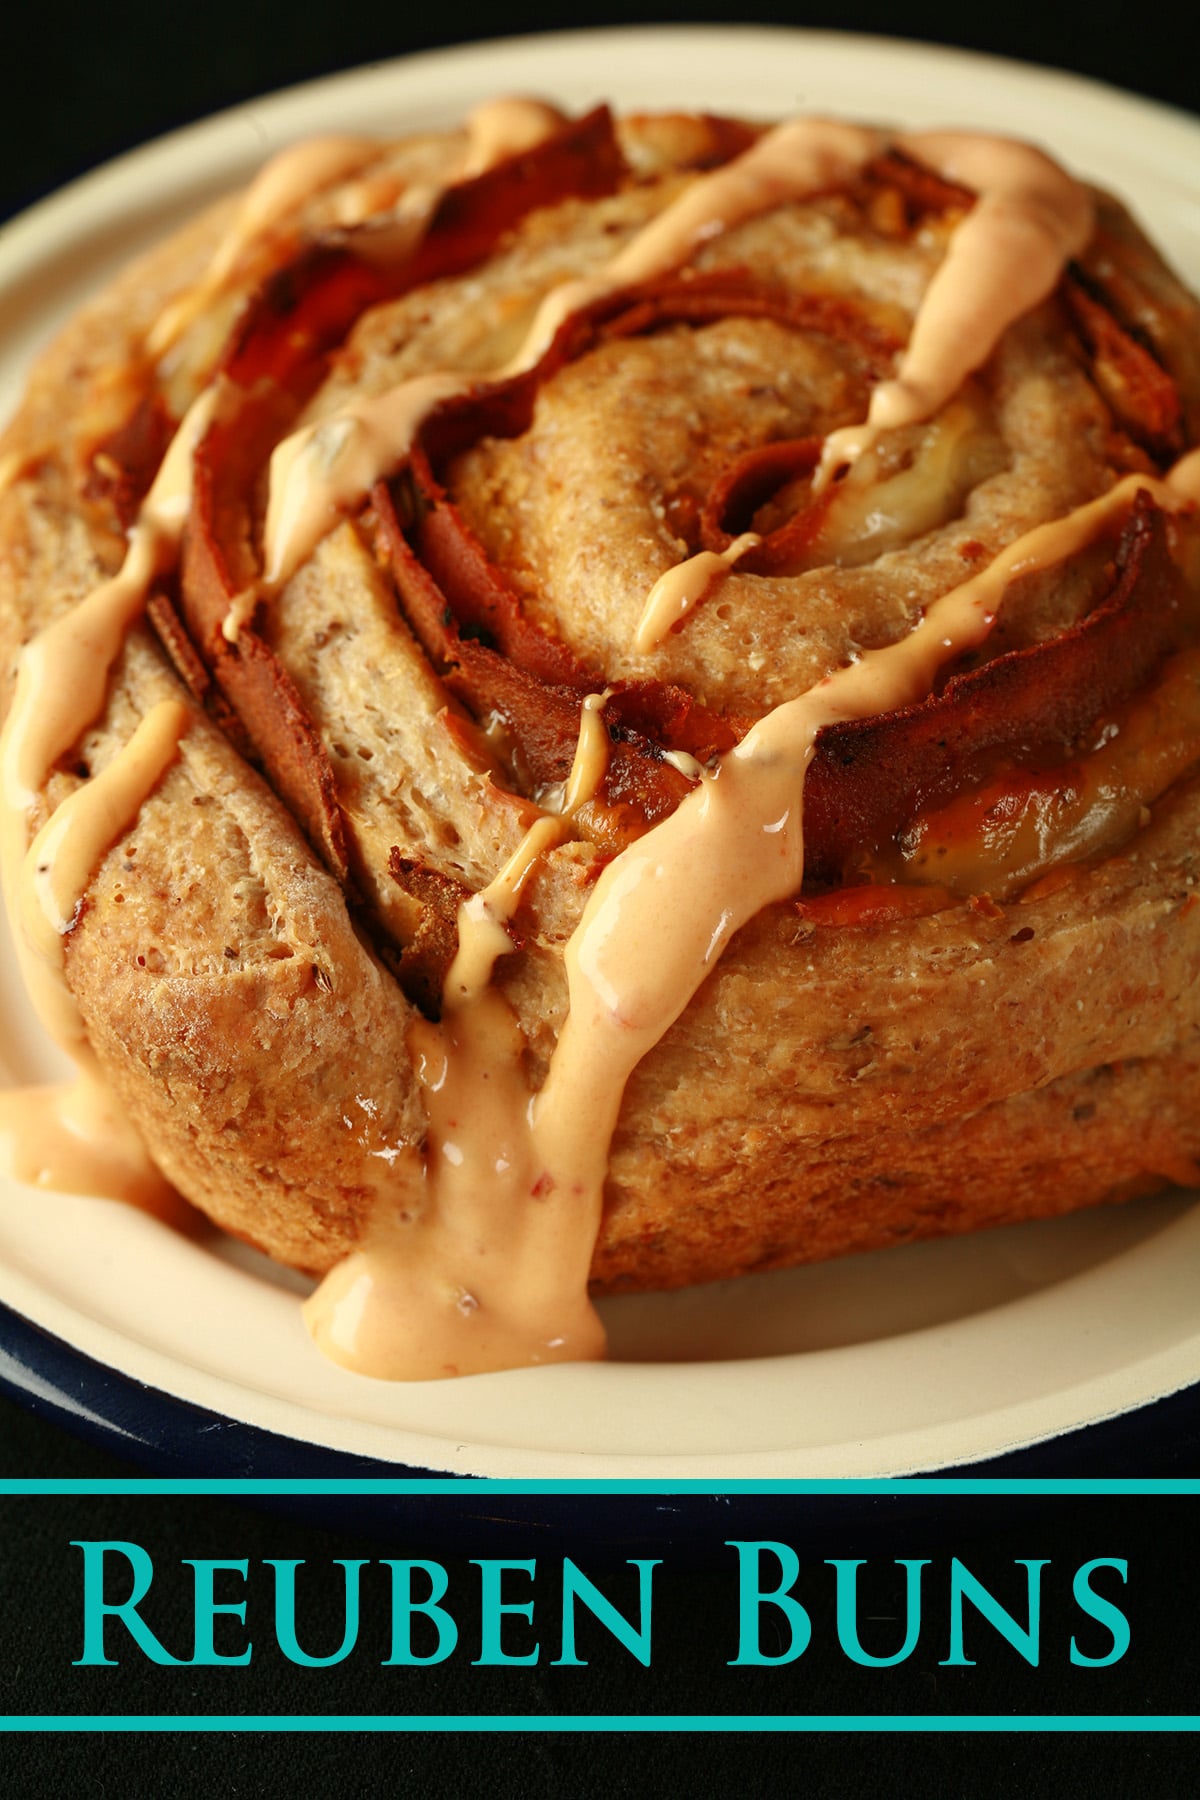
x,y
79,84
84,83
694,1639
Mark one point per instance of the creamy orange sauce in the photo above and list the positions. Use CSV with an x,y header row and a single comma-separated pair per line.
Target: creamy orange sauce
x,y
63,673
279,189
64,856
508,127
77,1138
493,1274
1004,258
793,161
322,470
674,594
493,1271
481,919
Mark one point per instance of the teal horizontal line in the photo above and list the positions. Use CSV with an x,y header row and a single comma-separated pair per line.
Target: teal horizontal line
x,y
466,1485
608,1722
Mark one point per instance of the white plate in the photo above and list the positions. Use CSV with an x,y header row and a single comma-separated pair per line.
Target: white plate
x,y
924,1357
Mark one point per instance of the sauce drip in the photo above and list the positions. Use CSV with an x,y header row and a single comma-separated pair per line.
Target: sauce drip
x,y
77,1138
674,594
496,129
494,1273
1003,259
277,191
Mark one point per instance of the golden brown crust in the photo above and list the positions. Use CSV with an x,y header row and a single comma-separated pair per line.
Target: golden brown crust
x,y
828,1090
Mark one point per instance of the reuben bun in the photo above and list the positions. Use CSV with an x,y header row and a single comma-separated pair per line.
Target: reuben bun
x,y
599,705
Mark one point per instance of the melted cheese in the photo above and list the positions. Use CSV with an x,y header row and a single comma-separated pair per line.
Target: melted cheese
x,y
1184,479
1000,838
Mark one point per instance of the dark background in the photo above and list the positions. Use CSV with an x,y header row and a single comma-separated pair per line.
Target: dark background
x,y
80,83
694,1638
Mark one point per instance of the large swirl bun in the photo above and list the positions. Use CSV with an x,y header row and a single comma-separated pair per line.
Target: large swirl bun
x,y
979,1006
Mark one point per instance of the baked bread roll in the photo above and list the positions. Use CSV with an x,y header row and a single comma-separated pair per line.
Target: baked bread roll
x,y
606,705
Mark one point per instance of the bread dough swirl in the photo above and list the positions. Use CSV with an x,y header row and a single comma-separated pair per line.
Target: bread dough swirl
x,y
572,956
